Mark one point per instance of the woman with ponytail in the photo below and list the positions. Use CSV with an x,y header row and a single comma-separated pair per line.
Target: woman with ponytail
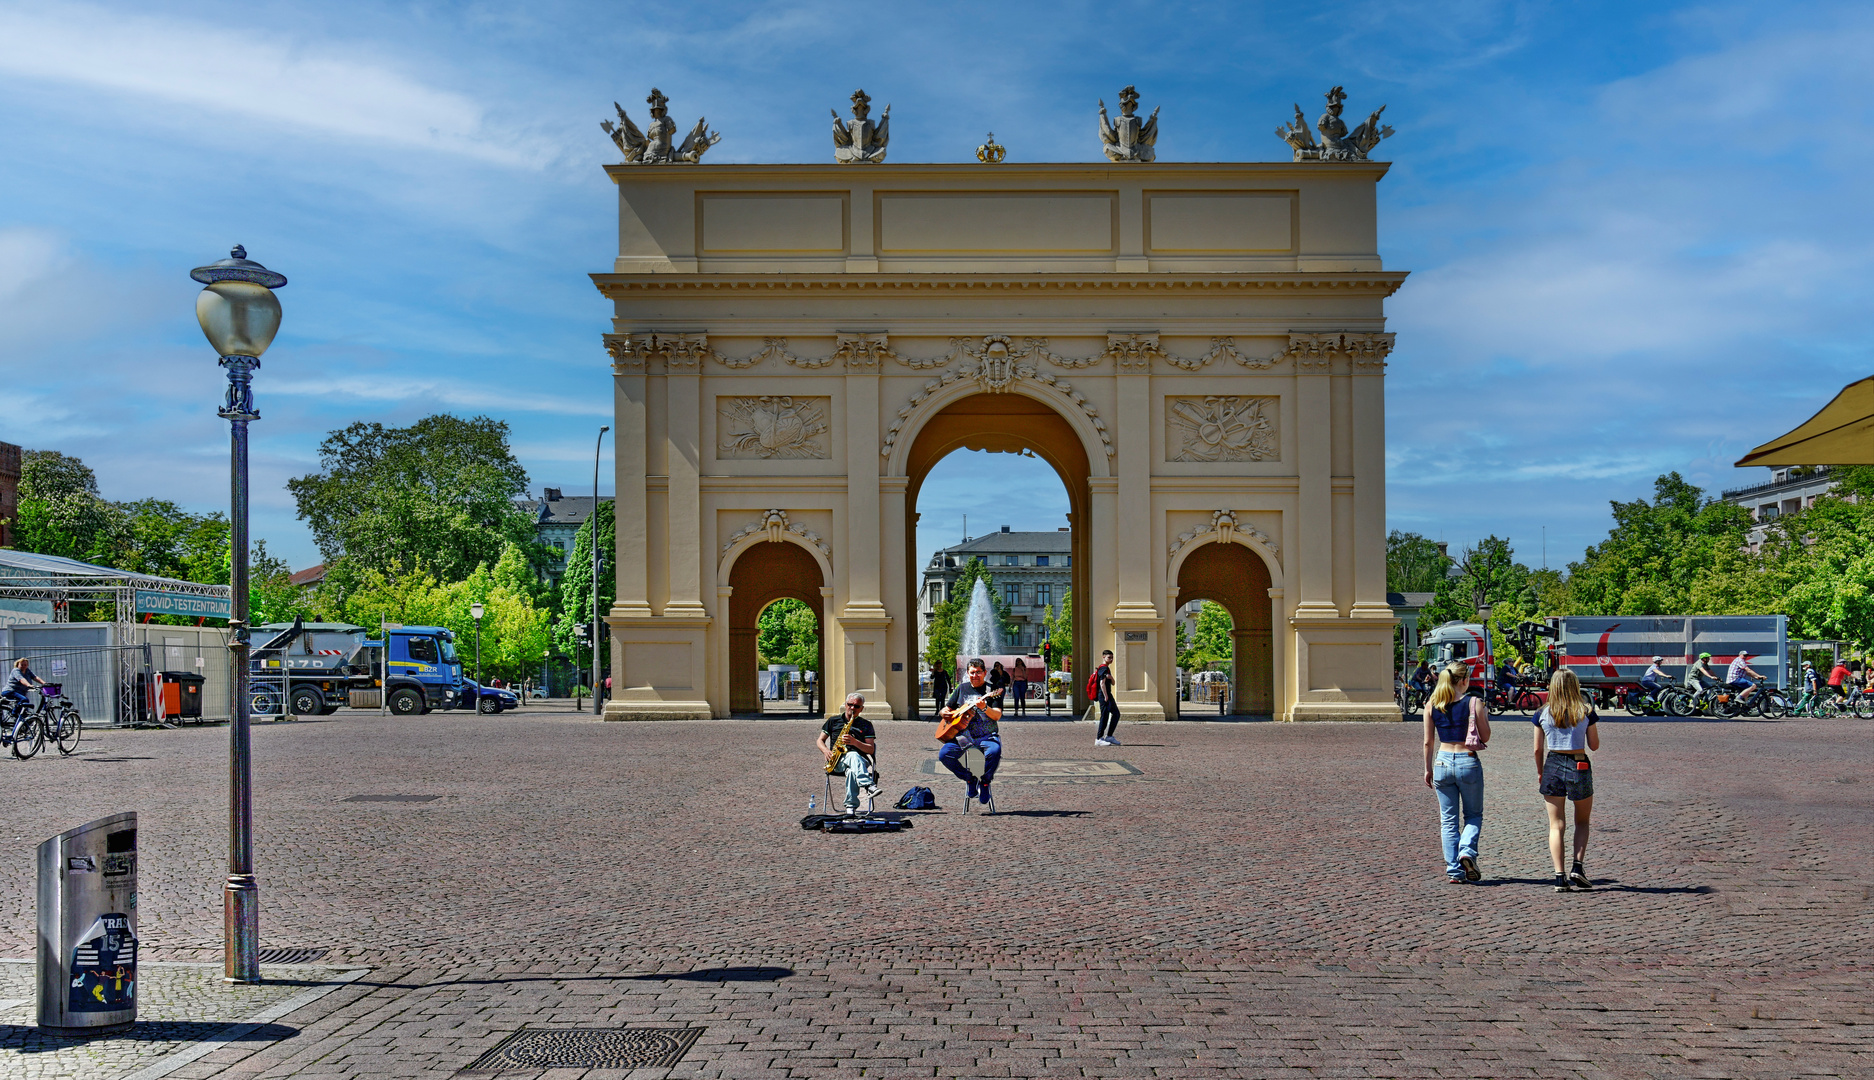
x,y
1456,727
1566,729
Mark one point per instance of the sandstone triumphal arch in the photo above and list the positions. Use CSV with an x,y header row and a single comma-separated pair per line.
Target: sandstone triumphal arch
x,y
1198,349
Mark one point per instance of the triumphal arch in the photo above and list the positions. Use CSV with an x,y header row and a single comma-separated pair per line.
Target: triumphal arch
x,y
1198,349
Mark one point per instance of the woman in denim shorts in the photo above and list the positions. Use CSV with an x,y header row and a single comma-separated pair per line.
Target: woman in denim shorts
x,y
1453,771
1565,731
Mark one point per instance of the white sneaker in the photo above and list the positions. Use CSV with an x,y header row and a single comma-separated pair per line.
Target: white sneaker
x,y
1101,741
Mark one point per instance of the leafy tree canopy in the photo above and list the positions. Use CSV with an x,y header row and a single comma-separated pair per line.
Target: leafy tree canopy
x,y
1210,641
788,633
439,493
1414,563
575,601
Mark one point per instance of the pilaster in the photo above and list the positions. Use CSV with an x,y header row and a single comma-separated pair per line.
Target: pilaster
x,y
1314,448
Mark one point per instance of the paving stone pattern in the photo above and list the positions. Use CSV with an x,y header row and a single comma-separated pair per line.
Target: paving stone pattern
x,y
178,1006
1258,900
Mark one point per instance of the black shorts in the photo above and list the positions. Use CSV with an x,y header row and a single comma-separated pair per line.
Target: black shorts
x,y
1566,776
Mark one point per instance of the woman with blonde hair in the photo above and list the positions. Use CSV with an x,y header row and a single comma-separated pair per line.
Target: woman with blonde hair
x,y
1565,732
1456,727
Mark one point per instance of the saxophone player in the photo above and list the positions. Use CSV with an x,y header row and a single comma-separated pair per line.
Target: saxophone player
x,y
850,746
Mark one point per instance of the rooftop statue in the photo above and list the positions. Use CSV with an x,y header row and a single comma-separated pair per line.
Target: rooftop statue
x,y
653,147
859,141
1128,138
1337,143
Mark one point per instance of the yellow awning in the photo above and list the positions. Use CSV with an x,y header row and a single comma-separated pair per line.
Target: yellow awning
x,y
1841,434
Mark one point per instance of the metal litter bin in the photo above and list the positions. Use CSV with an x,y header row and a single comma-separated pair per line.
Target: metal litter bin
x,y
88,927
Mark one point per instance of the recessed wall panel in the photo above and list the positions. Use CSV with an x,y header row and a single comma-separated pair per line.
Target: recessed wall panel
x,y
1014,222
1221,223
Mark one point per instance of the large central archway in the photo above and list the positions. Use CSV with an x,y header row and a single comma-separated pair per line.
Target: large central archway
x,y
1007,423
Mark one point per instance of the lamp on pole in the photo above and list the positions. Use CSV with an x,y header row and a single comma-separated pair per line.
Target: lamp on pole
x,y
598,703
475,612
239,315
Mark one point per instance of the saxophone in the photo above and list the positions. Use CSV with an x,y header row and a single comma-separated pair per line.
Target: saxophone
x,y
839,752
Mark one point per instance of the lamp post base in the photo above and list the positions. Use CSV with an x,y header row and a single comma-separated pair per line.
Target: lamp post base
x,y
241,925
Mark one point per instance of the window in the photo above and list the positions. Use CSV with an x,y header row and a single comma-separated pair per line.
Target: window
x,y
1013,594
1044,595
1041,560
1011,560
423,650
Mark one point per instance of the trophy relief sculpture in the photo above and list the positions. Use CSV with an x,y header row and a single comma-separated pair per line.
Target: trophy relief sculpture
x,y
1337,143
859,141
654,146
1128,138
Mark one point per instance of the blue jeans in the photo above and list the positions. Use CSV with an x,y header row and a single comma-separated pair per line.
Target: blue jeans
x,y
858,775
1459,780
951,757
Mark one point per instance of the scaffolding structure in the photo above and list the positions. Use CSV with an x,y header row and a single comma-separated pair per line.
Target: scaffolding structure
x,y
28,579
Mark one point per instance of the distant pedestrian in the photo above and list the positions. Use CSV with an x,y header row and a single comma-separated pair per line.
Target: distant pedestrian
x,y
1018,686
1107,733
1453,770
939,684
998,676
1565,731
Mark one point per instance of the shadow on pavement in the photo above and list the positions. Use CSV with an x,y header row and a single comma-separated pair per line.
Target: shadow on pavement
x,y
1608,885
721,974
1042,813
22,1039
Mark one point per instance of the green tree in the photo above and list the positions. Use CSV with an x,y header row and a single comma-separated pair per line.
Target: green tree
x,y
945,636
1414,563
787,632
61,513
439,493
1060,627
1210,641
1657,552
576,586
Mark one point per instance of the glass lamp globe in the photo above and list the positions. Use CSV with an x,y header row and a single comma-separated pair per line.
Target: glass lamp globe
x,y
237,309
475,610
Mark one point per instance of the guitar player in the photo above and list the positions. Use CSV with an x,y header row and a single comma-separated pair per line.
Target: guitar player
x,y
984,706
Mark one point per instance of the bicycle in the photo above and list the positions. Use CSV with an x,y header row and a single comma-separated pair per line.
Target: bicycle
x,y
1765,701
54,719
1860,702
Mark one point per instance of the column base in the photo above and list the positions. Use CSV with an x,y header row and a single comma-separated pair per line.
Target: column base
x,y
658,710
1364,712
658,669
1343,669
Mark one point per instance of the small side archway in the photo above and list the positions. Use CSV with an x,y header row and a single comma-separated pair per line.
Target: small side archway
x,y
763,572
1232,575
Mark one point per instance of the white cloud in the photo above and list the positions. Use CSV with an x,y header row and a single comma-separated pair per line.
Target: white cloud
x,y
269,78
477,393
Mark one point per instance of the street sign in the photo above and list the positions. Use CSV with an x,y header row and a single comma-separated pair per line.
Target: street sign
x,y
152,602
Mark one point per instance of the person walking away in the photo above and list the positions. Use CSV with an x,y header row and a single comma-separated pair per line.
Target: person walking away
x,y
1107,733
1018,686
1453,770
939,685
1566,729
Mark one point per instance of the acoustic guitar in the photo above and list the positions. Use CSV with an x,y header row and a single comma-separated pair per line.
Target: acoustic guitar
x,y
955,726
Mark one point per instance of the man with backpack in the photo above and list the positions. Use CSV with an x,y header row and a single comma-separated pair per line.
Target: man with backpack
x,y
1100,689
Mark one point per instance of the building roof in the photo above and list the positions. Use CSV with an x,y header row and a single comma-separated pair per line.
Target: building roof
x,y
555,508
1014,543
311,575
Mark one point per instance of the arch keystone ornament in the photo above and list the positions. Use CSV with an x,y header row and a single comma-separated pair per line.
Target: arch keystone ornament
x,y
1197,350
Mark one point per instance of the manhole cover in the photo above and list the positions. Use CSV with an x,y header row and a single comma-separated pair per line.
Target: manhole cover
x,y
391,798
291,955
589,1048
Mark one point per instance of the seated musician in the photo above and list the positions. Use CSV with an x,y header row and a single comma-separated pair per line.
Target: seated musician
x,y
855,756
980,732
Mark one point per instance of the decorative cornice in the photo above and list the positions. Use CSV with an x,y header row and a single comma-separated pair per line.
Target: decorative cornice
x,y
1315,352
632,353
1224,526
775,523
1382,283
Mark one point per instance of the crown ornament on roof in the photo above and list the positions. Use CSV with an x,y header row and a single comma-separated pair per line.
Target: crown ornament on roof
x,y
991,152
656,145
1337,143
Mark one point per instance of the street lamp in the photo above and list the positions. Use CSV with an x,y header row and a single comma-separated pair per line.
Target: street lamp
x,y
239,314
475,612
598,704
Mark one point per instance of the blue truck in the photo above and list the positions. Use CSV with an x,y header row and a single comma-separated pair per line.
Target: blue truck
x,y
314,668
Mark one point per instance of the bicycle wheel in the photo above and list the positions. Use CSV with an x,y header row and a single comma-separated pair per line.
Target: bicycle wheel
x,y
71,727
28,736
1864,706
1772,705
1633,703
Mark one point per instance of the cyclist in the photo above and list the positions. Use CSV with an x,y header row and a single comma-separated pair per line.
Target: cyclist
x,y
1839,679
1741,676
1655,679
19,680
1700,676
1421,679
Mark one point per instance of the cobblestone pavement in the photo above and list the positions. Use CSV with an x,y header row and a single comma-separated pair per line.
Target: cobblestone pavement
x,y
1222,899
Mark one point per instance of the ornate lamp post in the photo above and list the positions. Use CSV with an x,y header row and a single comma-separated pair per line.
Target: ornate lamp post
x,y
475,612
598,703
240,315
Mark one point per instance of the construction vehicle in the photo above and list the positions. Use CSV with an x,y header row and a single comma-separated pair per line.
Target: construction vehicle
x,y
313,668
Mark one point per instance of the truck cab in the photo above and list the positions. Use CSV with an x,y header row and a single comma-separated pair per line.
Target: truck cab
x,y
421,669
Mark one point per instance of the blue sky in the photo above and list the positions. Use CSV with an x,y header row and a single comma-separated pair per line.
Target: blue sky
x,y
1637,232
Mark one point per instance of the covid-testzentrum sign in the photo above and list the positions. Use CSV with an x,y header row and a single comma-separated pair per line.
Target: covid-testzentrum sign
x,y
153,602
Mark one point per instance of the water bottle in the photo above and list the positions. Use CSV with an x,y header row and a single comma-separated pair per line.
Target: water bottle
x,y
810,804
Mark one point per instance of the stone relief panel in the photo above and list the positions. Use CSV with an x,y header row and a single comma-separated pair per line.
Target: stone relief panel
x,y
1220,427
772,427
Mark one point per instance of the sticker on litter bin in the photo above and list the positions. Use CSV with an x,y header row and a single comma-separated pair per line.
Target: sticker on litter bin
x,y
104,967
